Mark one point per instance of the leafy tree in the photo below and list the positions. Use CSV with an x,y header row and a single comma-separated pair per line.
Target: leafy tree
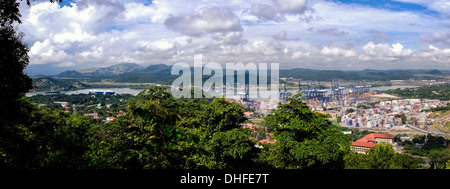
x,y
439,158
304,139
31,137
146,138
354,160
164,132
403,118
231,149
14,83
433,142
382,156
406,161
221,115
351,110
44,138
13,60
419,139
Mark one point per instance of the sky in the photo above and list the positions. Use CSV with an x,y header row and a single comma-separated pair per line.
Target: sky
x,y
317,34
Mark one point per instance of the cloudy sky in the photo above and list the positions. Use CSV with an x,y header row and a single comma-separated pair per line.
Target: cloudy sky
x,y
318,34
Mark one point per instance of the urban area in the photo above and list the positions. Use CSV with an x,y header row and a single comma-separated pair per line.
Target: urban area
x,y
357,107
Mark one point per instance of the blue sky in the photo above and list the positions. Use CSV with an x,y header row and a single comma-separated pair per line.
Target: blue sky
x,y
318,34
387,4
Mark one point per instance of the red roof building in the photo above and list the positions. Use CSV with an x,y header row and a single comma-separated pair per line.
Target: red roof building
x,y
248,114
364,144
266,141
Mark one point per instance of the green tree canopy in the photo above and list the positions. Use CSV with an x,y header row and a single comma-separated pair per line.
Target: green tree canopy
x,y
163,132
304,139
382,156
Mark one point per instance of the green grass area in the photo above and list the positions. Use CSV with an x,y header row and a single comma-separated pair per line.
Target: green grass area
x,y
336,124
443,113
257,121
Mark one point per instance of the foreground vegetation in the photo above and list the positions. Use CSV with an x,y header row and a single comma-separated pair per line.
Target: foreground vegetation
x,y
162,132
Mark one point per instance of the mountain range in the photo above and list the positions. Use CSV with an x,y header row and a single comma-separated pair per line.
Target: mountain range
x,y
113,70
128,72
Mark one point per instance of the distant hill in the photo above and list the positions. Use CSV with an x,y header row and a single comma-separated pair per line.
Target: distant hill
x,y
158,70
125,72
160,73
113,70
367,75
70,74
434,72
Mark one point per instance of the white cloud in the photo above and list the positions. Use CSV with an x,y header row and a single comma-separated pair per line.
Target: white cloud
x,y
316,33
279,9
46,52
337,51
291,6
73,33
437,38
206,21
385,51
95,52
227,38
435,54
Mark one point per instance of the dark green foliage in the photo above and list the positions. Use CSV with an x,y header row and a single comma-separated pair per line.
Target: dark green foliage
x,y
440,159
30,137
381,156
305,139
440,92
14,58
163,132
43,138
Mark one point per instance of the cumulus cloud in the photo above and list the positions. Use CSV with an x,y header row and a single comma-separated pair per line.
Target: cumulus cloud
x,y
53,31
435,54
107,11
279,9
105,32
437,38
227,38
45,52
267,12
291,6
384,51
338,51
206,21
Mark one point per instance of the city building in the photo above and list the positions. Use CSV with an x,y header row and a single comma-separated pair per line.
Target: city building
x,y
249,114
364,144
